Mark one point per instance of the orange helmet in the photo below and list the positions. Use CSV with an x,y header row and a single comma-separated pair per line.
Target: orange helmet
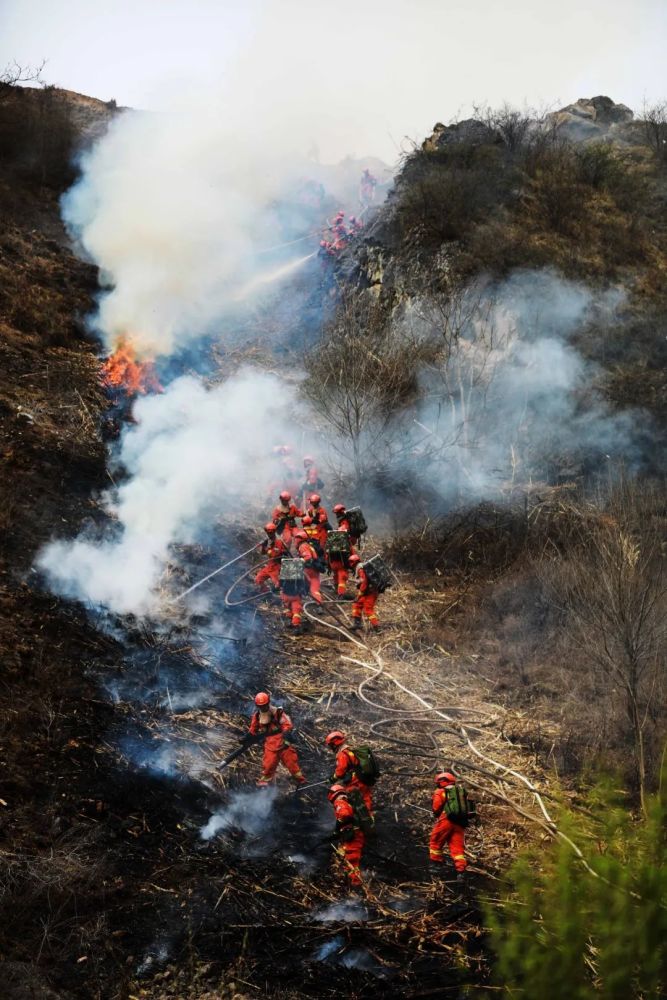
x,y
285,496
314,498
270,528
335,791
353,560
308,460
300,536
335,738
339,509
306,521
262,699
445,778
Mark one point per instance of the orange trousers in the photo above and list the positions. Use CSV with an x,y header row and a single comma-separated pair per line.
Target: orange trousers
x,y
340,575
270,572
351,854
293,607
365,603
446,832
365,791
286,756
313,578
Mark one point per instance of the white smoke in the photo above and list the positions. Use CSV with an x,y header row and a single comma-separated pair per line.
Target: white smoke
x,y
247,811
193,452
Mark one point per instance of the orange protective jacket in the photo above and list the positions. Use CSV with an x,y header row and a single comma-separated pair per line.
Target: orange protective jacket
x,y
286,515
274,549
363,585
274,730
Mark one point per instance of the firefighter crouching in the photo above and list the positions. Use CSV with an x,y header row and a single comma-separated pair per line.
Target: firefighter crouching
x,y
348,832
274,549
274,723
451,809
349,770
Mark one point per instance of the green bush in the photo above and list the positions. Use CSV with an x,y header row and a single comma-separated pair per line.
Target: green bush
x,y
563,934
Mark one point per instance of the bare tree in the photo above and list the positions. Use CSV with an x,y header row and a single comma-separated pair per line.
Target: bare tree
x,y
15,74
654,119
613,589
360,376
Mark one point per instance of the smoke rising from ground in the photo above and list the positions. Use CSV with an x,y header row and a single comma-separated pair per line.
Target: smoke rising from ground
x,y
193,453
247,811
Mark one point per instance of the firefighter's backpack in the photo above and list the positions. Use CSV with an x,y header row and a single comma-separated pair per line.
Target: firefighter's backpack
x,y
378,574
369,769
292,578
357,521
457,808
338,544
362,816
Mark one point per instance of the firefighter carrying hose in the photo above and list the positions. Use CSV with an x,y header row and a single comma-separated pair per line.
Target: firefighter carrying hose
x,y
367,598
348,831
274,549
451,809
284,516
354,768
273,723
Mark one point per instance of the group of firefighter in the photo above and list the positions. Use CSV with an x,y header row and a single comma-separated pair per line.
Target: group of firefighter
x,y
302,543
351,793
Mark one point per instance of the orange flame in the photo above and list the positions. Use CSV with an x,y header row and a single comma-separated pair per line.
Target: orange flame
x,y
123,371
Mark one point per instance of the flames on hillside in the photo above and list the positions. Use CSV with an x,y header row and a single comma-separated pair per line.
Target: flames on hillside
x,y
124,372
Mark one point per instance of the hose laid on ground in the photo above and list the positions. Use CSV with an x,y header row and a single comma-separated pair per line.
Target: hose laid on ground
x,y
547,824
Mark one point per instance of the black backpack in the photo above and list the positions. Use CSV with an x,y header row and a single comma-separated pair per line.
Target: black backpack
x,y
357,521
368,769
293,581
338,544
378,574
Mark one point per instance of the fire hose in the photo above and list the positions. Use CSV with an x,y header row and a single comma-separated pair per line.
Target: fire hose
x,y
253,597
215,572
546,823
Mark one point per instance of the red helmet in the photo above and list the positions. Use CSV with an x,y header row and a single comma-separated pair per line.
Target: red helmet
x,y
445,778
308,460
314,498
285,496
335,791
306,521
353,559
300,536
335,738
262,699
270,528
339,509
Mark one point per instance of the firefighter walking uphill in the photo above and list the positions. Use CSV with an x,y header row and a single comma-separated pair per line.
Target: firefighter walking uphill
x,y
274,549
450,808
367,597
274,724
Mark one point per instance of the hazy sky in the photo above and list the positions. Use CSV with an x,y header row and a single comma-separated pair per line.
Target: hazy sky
x,y
355,75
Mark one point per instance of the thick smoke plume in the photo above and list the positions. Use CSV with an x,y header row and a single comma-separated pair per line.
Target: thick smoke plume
x,y
193,453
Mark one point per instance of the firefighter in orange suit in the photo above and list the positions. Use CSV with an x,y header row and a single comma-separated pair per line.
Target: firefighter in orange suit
x,y
343,523
367,599
444,830
284,516
320,518
311,478
345,770
274,549
274,723
349,834
309,555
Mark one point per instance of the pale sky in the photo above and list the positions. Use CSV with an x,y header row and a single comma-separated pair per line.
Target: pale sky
x,y
359,74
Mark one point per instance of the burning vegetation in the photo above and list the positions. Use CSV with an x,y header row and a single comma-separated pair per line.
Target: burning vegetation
x,y
521,632
125,373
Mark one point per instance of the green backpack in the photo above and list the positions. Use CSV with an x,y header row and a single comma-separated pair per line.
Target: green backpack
x,y
338,544
369,769
456,805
